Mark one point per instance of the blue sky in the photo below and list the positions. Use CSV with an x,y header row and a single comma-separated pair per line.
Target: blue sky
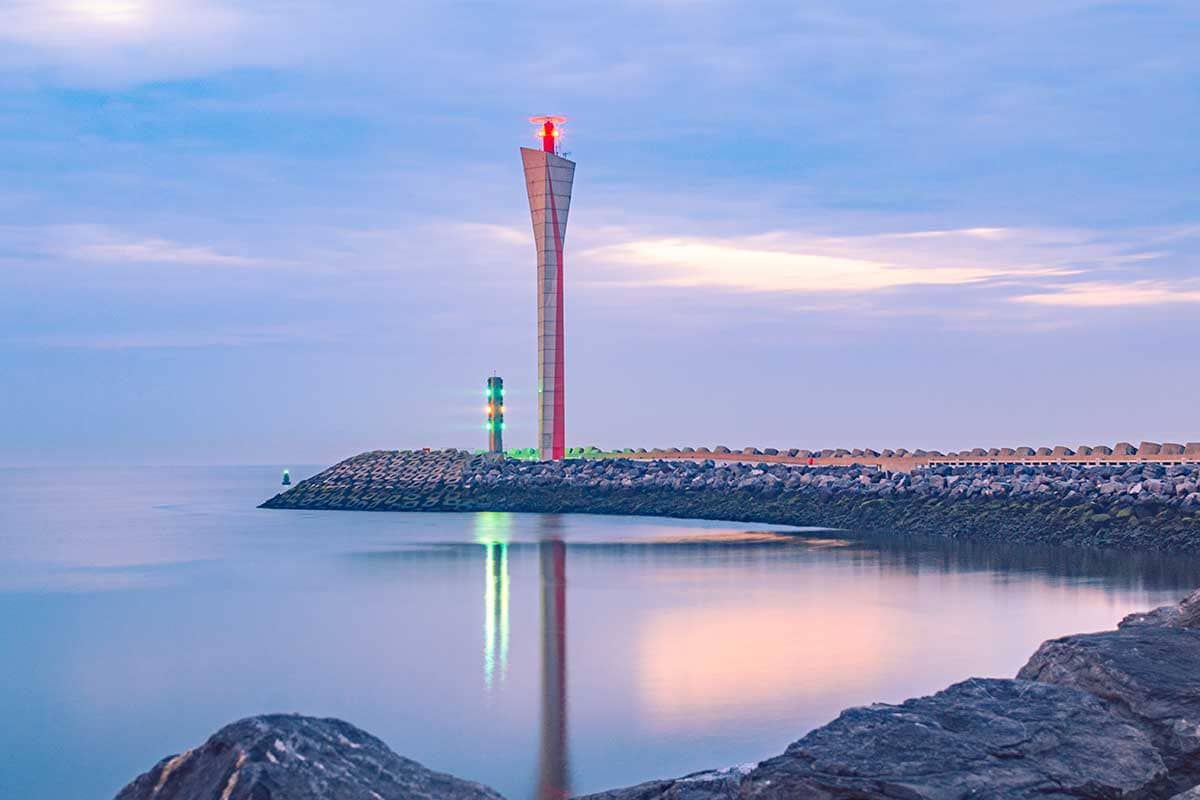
x,y
278,232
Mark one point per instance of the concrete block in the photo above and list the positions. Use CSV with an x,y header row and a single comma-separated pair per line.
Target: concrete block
x,y
1045,451
1061,450
1192,449
1149,449
1124,449
1025,451
1171,449
1007,451
888,453
1083,450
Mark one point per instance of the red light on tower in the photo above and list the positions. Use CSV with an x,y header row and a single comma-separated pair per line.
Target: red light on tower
x,y
549,131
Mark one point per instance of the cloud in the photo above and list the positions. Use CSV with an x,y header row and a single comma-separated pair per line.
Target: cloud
x,y
101,244
156,251
153,340
796,262
1110,294
97,42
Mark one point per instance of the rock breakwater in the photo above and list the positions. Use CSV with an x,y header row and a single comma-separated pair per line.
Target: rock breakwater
x,y
1136,506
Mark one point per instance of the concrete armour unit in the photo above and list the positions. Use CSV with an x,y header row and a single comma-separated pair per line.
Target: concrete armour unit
x,y
548,180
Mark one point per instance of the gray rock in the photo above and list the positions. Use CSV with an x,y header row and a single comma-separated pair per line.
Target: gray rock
x,y
984,738
289,757
1146,671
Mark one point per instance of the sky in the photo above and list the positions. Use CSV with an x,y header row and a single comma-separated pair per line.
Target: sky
x,y
286,232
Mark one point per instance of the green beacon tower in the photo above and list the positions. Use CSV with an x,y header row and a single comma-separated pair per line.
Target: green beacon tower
x,y
495,415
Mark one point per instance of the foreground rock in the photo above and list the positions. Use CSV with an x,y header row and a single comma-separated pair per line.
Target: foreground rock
x,y
1148,671
1147,507
979,738
287,757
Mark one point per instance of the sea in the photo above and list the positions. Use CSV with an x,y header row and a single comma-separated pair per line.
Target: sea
x,y
141,609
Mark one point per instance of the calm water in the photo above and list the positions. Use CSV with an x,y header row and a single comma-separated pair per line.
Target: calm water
x,y
142,609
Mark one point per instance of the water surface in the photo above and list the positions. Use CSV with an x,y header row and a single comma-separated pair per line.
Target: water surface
x,y
142,609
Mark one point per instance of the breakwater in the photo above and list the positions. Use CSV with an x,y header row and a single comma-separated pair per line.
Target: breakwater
x,y
1144,506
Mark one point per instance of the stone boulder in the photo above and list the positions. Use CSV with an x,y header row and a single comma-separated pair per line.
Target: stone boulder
x,y
980,738
289,757
1146,671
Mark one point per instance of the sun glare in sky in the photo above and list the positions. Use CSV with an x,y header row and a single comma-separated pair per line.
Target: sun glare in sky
x,y
110,12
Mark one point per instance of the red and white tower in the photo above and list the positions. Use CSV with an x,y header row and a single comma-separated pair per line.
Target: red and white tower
x,y
548,180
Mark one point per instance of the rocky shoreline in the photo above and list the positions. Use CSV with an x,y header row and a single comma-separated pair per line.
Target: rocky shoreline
x,y
1113,715
1141,506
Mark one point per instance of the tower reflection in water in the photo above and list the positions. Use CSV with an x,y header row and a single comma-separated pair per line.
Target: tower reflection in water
x,y
492,530
553,773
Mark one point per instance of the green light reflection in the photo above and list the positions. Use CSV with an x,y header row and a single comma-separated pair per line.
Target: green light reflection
x,y
492,531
